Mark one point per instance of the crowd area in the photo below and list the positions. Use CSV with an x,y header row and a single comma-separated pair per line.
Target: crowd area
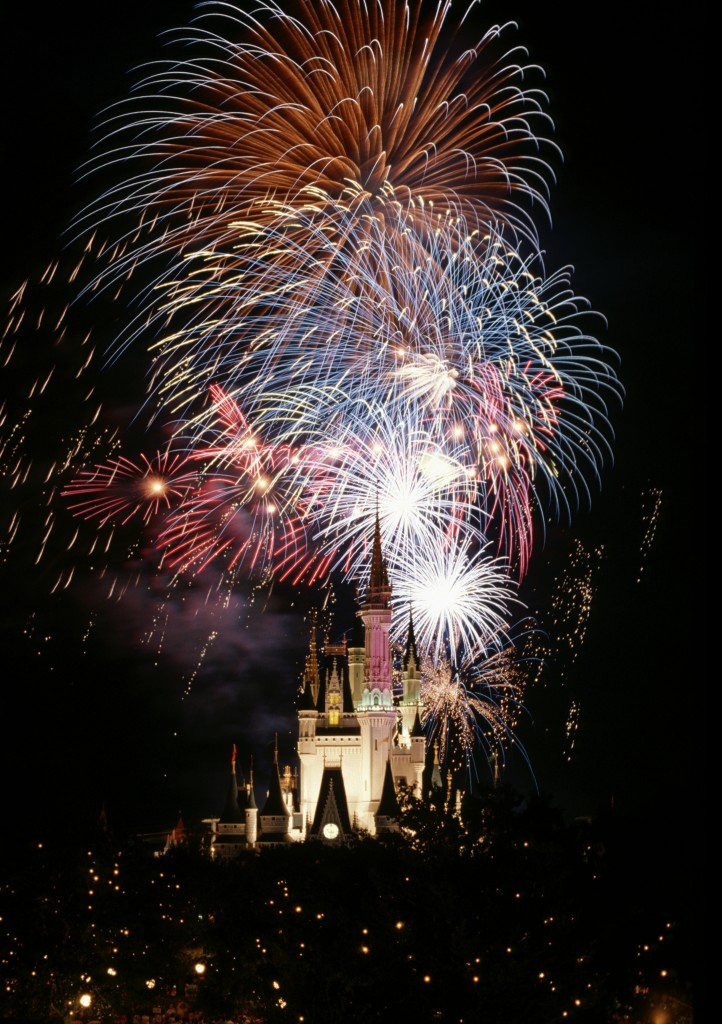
x,y
180,1013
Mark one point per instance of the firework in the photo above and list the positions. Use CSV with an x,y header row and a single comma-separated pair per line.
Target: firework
x,y
323,222
488,359
327,109
475,705
121,490
458,595
329,214
396,470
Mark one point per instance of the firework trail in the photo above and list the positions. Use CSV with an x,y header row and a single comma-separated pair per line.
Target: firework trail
x,y
651,499
51,420
60,445
572,600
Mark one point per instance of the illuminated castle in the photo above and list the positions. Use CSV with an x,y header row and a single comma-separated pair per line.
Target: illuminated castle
x,y
359,738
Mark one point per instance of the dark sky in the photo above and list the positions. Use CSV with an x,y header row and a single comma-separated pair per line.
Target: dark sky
x,y
111,718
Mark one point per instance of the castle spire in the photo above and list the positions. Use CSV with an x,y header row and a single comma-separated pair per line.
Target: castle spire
x,y
379,589
311,673
411,649
251,795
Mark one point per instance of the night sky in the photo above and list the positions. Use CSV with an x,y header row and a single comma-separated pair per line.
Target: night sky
x,y
98,711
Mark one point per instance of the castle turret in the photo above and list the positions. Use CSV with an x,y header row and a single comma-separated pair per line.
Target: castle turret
x,y
411,667
311,673
231,826
307,722
356,659
411,682
251,812
275,818
436,783
418,752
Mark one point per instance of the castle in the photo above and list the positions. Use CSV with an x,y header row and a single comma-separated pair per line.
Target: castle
x,y
359,738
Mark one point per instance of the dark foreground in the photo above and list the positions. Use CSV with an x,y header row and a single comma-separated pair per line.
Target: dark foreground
x,y
507,915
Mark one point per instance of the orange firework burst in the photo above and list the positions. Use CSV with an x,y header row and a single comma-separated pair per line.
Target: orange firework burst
x,y
361,110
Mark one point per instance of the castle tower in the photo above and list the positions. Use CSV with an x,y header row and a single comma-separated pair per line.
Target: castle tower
x,y
418,754
275,818
376,616
356,657
355,745
311,675
230,835
251,813
411,676
376,714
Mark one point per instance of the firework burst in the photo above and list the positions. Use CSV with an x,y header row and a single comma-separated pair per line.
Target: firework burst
x,y
458,594
331,109
474,348
475,706
121,490
419,490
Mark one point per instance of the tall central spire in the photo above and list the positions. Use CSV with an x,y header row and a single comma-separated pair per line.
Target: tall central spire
x,y
375,613
378,594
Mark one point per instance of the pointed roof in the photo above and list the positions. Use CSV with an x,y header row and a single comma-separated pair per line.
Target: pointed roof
x,y
179,832
275,804
332,805
305,700
231,811
436,781
321,699
250,796
246,799
411,649
417,729
389,804
379,589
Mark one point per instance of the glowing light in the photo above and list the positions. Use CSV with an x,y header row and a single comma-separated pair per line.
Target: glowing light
x,y
121,489
459,597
